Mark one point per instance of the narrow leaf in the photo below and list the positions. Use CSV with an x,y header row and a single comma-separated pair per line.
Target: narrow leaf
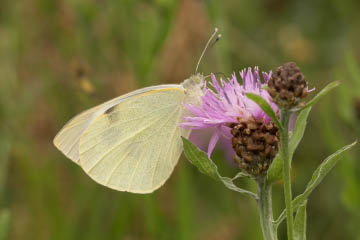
x,y
322,93
318,175
228,182
265,106
208,167
300,223
275,171
299,130
200,160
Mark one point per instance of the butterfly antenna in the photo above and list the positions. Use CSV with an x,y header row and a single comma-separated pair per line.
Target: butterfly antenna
x,y
207,46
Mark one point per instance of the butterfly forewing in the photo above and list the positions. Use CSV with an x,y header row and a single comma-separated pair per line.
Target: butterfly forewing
x,y
67,140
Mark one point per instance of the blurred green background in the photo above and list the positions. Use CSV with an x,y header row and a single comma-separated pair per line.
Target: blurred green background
x,y
59,57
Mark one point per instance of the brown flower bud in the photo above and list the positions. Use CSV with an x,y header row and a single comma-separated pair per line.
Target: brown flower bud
x,y
255,143
287,86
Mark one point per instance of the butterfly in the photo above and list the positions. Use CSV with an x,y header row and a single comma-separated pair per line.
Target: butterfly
x,y
133,142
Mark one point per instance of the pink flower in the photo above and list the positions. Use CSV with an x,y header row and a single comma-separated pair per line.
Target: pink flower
x,y
225,103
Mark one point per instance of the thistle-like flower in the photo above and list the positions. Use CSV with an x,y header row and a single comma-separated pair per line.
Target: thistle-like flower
x,y
226,109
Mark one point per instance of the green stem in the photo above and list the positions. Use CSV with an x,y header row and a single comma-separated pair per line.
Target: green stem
x,y
284,138
265,209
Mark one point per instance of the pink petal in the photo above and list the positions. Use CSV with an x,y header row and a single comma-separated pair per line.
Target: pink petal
x,y
214,138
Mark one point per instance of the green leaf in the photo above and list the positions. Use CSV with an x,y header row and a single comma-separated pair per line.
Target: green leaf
x,y
321,94
4,223
300,223
200,160
275,171
264,105
299,130
208,167
318,175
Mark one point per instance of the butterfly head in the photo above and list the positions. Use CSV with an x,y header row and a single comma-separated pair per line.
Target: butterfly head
x,y
194,88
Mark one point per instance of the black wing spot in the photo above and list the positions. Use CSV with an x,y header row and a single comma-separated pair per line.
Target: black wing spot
x,y
109,113
110,110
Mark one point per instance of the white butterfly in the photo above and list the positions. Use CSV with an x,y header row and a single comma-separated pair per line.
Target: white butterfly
x,y
133,142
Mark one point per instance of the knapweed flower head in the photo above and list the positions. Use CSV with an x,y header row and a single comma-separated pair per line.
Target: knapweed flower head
x,y
287,86
255,143
227,111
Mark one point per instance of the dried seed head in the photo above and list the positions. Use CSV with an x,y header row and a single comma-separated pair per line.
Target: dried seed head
x,y
287,86
255,143
357,107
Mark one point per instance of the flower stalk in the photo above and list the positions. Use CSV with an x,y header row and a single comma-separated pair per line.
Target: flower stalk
x,y
265,209
284,143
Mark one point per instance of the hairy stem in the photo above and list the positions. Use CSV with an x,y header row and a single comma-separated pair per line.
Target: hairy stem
x,y
284,138
265,209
